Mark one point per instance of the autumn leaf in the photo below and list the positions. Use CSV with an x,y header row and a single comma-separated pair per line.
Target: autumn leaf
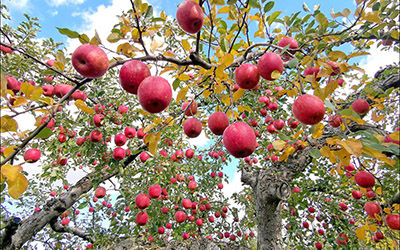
x,y
8,124
10,172
318,131
360,233
236,96
17,187
279,144
83,107
181,94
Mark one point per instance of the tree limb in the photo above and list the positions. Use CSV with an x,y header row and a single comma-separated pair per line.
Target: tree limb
x,y
65,229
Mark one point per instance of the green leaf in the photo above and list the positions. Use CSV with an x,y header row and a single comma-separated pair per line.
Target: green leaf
x,y
315,153
176,83
293,63
254,4
273,16
83,38
284,137
329,104
149,12
68,32
305,7
322,20
47,72
82,205
114,37
45,133
268,6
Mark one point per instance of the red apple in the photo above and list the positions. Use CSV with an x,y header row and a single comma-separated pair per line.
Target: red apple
x,y
144,156
189,153
13,84
61,90
285,41
218,122
95,136
48,90
268,63
132,73
335,120
356,194
192,127
318,245
79,95
154,191
361,106
186,203
154,94
190,16
239,139
32,155
387,42
312,71
119,154
5,49
335,68
142,218
308,109
100,192
142,201
120,139
192,185
192,110
247,76
130,132
279,124
371,209
90,61
97,119
364,179
393,221
180,216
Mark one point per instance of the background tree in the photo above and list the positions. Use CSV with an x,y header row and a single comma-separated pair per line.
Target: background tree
x,y
300,175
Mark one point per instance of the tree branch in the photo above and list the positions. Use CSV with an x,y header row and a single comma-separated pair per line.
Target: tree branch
x,y
75,231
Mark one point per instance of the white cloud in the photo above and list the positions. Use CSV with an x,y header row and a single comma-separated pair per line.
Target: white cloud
x,y
62,2
378,59
20,4
54,13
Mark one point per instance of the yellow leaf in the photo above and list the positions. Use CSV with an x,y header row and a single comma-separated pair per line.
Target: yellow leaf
x,y
148,128
229,114
236,96
226,100
3,86
155,44
126,49
395,136
47,100
360,232
378,191
275,74
325,151
395,34
183,77
59,65
378,155
353,146
185,45
8,124
82,106
181,94
206,93
318,131
219,72
19,100
8,151
218,88
376,118
296,136
169,121
372,17
153,143
335,55
244,108
17,187
387,210
288,151
344,157
10,172
228,59
224,9
279,144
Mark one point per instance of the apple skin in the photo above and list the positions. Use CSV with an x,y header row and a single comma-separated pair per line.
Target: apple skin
x,y
190,16
180,216
279,124
5,49
247,76
154,191
335,120
79,95
142,201
13,84
285,41
364,179
130,132
95,136
32,155
371,209
48,90
61,90
218,122
192,110
132,73
356,194
186,203
100,192
268,63
360,106
142,218
120,139
154,94
308,109
192,127
393,221
239,139
312,71
335,68
90,61
119,154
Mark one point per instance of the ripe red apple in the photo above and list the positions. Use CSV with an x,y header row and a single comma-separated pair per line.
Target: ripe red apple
x,y
361,106
371,209
218,122
95,136
120,139
97,118
279,124
387,42
285,41
154,191
247,76
356,194
312,71
335,120
343,206
318,245
100,192
32,155
13,84
130,132
61,90
186,203
144,156
192,127
342,239
393,221
335,68
239,139
268,63
65,221
79,95
190,111
48,90
154,94
308,109
119,154
161,230
142,218
5,49
364,179
189,153
190,16
142,201
90,61
132,73
271,128
192,185
180,216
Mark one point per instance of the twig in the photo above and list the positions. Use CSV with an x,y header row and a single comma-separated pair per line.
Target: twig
x,y
138,27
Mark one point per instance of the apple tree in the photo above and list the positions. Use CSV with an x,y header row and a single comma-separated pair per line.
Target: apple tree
x,y
97,144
